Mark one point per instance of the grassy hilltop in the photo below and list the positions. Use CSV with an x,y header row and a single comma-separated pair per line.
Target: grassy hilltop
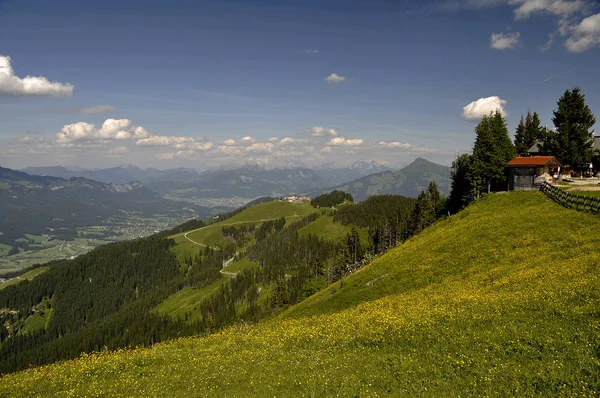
x,y
501,299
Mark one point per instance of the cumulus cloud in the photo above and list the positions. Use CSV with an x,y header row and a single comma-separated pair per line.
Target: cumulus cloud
x,y
229,142
34,86
231,150
394,144
180,143
343,141
112,129
121,129
77,132
163,140
287,140
422,149
248,140
260,147
585,35
561,8
200,146
334,78
483,107
321,132
97,109
273,139
504,41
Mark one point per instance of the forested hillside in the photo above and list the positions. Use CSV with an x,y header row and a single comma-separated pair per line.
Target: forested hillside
x,y
57,207
194,279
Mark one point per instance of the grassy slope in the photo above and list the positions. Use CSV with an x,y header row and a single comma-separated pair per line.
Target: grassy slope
x,y
211,235
187,300
501,299
27,275
241,265
324,227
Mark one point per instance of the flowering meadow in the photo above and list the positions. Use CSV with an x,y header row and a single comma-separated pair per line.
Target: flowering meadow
x,y
501,299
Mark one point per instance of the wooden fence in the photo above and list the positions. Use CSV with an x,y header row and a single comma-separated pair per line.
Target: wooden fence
x,y
571,201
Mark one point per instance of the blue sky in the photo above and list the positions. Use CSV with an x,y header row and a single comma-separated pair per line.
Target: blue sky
x,y
181,83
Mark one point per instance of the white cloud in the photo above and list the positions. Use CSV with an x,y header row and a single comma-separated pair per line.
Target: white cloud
x,y
201,146
585,35
423,149
231,150
181,143
229,142
248,140
112,129
334,78
97,109
343,141
260,147
35,86
321,132
407,146
162,140
561,8
273,139
483,107
287,140
394,144
121,129
504,41
77,132
312,51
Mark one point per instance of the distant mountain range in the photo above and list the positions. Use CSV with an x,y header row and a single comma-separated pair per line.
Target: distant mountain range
x,y
362,179
408,181
38,205
113,175
247,181
60,206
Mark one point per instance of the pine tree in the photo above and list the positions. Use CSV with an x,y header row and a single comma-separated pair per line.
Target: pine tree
x,y
573,138
529,131
423,214
492,150
520,139
462,186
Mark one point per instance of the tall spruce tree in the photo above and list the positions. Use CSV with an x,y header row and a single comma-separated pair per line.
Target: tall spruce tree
x,y
529,131
520,144
423,214
492,150
572,139
462,187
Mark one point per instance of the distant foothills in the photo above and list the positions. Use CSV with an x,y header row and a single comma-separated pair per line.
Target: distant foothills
x,y
43,207
249,181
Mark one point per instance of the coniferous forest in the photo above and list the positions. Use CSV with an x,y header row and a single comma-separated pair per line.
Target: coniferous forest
x,y
107,298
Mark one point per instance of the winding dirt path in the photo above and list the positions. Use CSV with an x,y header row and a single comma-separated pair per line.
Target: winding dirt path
x,y
227,262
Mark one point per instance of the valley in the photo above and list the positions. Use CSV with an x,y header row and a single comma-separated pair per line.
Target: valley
x,y
62,213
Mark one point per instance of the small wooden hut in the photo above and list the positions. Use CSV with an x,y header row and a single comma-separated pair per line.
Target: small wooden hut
x,y
530,172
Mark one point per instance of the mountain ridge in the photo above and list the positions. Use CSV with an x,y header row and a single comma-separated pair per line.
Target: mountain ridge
x,y
408,181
